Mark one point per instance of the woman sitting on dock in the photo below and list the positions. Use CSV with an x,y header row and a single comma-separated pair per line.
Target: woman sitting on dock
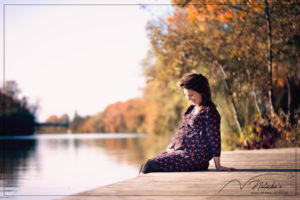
x,y
198,139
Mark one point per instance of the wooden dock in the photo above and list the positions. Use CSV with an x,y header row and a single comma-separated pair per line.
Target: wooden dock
x,y
260,174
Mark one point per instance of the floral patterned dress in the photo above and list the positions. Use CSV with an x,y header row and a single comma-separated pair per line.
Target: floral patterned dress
x,y
196,142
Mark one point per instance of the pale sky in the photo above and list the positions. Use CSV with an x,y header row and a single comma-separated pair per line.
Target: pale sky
x,y
76,57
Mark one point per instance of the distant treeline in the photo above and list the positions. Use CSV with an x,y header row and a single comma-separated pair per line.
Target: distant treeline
x,y
121,117
16,116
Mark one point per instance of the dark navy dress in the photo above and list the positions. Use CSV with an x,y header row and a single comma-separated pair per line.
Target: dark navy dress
x,y
196,142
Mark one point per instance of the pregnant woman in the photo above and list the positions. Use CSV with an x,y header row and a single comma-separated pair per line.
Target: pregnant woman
x,y
198,139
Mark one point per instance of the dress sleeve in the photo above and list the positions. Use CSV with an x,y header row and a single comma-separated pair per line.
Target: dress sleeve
x,y
213,132
177,139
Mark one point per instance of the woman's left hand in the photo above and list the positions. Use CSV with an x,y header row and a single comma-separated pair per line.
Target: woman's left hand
x,y
221,168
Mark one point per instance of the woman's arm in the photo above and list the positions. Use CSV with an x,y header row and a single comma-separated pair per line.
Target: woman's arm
x,y
219,167
214,136
217,162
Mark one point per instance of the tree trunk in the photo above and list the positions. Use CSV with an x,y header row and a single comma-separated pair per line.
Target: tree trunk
x,y
270,57
254,94
290,101
235,113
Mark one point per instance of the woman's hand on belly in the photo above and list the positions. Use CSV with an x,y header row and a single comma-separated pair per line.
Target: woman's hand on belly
x,y
170,149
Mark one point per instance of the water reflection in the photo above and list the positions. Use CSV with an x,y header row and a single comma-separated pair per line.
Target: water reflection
x,y
63,164
14,160
125,150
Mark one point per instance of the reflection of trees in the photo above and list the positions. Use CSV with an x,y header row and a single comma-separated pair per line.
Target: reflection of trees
x,y
14,159
121,150
137,150
128,151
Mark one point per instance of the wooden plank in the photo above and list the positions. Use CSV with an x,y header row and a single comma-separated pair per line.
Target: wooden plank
x,y
261,174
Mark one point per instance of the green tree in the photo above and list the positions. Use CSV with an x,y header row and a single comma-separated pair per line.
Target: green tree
x,y
16,116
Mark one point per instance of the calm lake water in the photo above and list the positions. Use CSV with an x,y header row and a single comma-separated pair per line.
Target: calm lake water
x,y
51,166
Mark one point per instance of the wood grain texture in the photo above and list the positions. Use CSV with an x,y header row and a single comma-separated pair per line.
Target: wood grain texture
x,y
260,174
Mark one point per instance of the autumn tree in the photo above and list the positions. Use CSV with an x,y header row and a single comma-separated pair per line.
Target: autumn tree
x,y
120,117
237,44
17,117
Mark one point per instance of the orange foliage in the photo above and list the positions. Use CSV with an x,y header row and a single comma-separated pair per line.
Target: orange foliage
x,y
125,116
226,16
255,5
52,119
170,19
193,14
202,10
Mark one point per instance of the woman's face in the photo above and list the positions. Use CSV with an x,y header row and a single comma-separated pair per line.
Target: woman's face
x,y
194,97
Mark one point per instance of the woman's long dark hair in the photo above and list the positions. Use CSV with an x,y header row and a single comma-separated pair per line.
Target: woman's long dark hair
x,y
198,83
